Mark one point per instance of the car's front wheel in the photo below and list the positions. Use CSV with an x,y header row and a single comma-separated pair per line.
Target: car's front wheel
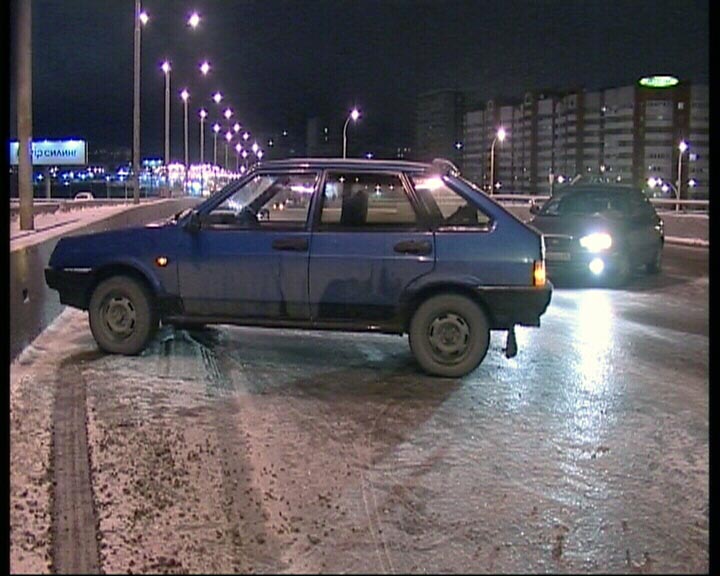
x,y
654,265
449,335
122,316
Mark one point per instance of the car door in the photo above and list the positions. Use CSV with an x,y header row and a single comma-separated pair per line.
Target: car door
x,y
368,244
249,258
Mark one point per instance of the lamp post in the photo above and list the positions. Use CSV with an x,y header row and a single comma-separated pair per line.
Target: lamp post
x,y
499,136
682,147
141,17
185,95
238,149
166,68
354,115
203,115
216,130
228,139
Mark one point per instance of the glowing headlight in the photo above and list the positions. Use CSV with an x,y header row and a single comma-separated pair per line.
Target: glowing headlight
x,y
596,242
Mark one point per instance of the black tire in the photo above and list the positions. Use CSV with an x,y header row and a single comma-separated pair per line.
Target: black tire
x,y
618,277
122,316
449,335
654,266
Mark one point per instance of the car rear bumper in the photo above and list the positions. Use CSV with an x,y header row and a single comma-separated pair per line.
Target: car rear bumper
x,y
511,305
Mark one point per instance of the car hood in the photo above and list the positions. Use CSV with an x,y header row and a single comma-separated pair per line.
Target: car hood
x,y
574,226
91,250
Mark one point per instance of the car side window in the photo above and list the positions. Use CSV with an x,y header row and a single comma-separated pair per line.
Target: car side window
x,y
448,208
268,201
361,200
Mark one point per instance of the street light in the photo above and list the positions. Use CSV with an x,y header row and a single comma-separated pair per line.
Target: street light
x,y
228,113
193,20
228,138
205,68
237,127
238,149
141,17
354,115
246,135
499,136
203,114
185,95
217,97
166,68
216,130
682,148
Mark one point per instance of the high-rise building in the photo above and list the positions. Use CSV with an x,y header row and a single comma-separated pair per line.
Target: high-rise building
x,y
627,134
439,125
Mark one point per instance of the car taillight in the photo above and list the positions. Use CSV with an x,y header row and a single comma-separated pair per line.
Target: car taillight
x,y
539,273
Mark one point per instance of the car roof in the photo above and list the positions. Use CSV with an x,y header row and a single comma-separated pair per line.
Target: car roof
x,y
354,164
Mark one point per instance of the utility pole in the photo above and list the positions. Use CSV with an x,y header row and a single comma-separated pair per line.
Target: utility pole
x,y
24,113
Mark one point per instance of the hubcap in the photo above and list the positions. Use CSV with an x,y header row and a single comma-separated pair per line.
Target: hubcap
x,y
449,337
119,315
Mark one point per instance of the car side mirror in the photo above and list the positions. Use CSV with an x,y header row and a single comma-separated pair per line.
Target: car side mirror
x,y
534,209
193,222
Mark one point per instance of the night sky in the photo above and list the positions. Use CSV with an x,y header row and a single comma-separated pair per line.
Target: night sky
x,y
281,62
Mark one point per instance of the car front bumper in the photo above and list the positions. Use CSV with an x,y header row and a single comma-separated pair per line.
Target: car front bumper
x,y
72,285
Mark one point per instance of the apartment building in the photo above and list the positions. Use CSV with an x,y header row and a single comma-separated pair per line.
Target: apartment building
x,y
625,134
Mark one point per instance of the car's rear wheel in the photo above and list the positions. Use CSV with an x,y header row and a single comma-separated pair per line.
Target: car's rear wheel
x,y
449,335
122,315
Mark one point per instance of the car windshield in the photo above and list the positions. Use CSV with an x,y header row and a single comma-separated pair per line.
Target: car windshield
x,y
585,203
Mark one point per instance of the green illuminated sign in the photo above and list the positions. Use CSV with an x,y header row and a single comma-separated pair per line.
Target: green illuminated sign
x,y
658,81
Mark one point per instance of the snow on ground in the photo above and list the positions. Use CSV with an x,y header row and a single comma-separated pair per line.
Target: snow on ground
x,y
61,222
32,393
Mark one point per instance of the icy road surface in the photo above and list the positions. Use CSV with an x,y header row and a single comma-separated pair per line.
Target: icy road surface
x,y
236,449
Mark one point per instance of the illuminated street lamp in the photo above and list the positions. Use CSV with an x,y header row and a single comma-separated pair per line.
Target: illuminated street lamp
x,y
228,139
228,113
246,135
238,149
682,148
354,115
166,69
217,97
237,127
216,130
193,20
255,147
499,136
259,154
205,68
141,18
185,95
203,114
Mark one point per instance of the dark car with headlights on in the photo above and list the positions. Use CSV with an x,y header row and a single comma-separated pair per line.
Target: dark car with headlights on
x,y
600,231
354,245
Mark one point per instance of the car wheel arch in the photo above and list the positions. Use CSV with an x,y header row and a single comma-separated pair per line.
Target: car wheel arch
x,y
412,301
121,269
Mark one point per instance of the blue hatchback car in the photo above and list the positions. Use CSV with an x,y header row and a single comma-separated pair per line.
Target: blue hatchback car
x,y
355,245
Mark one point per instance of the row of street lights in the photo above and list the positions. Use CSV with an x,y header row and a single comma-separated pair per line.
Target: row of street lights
x,y
193,21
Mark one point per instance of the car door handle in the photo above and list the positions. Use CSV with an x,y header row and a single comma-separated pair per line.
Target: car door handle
x,y
413,247
291,244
